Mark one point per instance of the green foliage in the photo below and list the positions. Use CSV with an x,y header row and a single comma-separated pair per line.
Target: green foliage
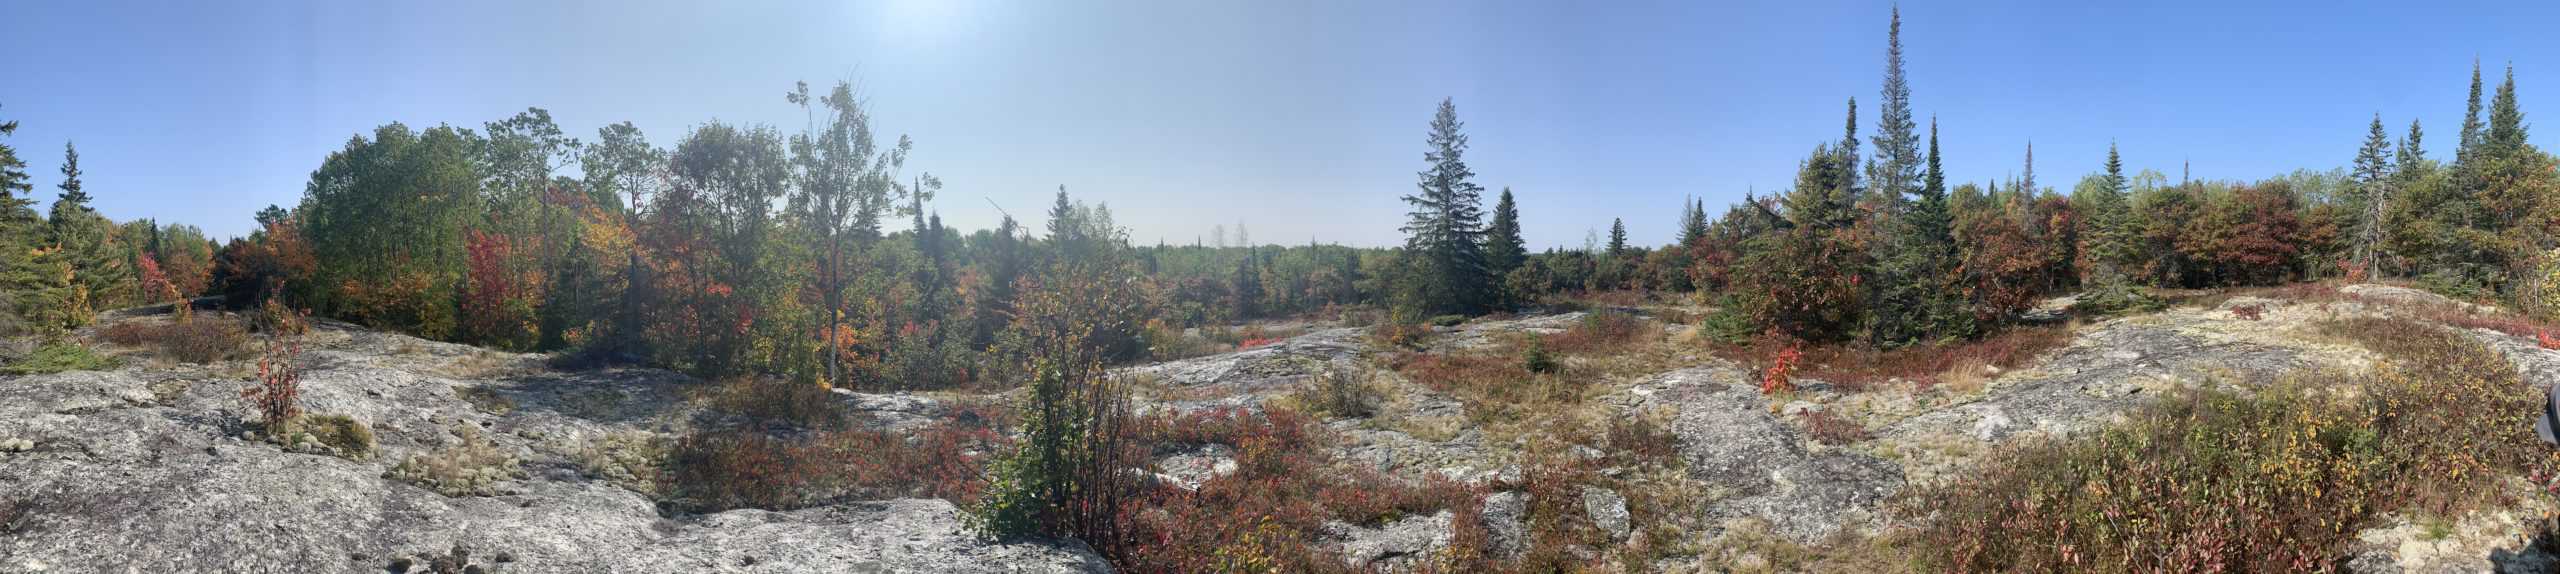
x,y
1536,360
1445,269
1069,472
2279,479
57,357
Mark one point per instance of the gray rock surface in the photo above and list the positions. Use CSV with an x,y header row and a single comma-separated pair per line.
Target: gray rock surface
x,y
1399,545
1764,466
1506,516
1608,510
144,469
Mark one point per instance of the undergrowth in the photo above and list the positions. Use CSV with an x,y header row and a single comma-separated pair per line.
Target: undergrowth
x,y
2279,479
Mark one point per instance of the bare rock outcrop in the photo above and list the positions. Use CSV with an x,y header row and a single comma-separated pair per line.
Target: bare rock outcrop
x,y
150,469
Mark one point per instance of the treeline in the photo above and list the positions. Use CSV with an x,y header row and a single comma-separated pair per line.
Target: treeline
x,y
817,255
58,268
1876,249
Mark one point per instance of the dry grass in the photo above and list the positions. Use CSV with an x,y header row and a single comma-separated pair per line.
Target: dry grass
x,y
471,467
203,340
1964,365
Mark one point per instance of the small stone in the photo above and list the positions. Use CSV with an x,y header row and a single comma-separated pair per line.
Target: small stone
x,y
1608,510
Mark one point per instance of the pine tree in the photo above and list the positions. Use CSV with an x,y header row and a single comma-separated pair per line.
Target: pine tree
x,y
85,241
2410,153
2026,187
2506,121
1849,153
2470,120
1445,230
1693,222
1617,237
1895,170
1920,297
1503,249
2372,173
34,282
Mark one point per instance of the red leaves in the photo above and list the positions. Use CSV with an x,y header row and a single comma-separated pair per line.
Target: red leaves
x,y
500,291
277,396
1777,378
2548,341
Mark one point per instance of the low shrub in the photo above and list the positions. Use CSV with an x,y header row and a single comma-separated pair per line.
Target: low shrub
x,y
1855,368
1445,320
631,460
333,435
2278,479
203,340
1536,360
802,404
471,467
2251,312
1398,334
1340,393
1600,331
1830,428
58,357
276,397
1269,515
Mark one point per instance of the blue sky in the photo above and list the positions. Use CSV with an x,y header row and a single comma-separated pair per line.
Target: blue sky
x,y
1301,119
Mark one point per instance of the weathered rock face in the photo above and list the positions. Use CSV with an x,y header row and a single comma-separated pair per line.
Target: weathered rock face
x,y
1394,546
1764,465
1247,378
145,469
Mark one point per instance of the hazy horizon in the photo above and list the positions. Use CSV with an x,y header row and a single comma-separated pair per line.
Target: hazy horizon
x,y
1303,121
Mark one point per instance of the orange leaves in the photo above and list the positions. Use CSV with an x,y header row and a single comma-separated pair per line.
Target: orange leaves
x,y
1777,378
2548,341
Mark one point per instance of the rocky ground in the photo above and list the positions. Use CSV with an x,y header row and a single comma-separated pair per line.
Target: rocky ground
x,y
150,467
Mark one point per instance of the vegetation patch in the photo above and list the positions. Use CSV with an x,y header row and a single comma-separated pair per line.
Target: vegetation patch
x,y
1963,365
58,357
472,467
199,340
333,435
2280,479
634,461
486,399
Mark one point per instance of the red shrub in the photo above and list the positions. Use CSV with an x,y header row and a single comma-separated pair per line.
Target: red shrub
x,y
2548,341
277,396
1830,428
2249,312
1775,379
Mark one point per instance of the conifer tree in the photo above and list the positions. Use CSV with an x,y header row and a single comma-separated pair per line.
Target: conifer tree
x,y
85,241
1693,221
2470,120
1617,237
2372,173
2409,151
1503,248
1920,298
1445,230
1895,170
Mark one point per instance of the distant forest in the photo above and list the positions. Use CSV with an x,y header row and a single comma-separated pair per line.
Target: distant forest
x,y
815,254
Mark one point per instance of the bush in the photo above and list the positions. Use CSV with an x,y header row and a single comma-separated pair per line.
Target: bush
x,y
802,404
2280,479
334,435
472,467
277,395
58,357
1601,331
1535,359
1340,393
201,341
1830,428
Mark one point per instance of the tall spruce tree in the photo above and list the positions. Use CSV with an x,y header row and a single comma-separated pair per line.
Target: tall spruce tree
x,y
2409,151
1445,230
1617,237
1920,298
2372,174
2470,120
1894,172
1693,221
85,241
1503,249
